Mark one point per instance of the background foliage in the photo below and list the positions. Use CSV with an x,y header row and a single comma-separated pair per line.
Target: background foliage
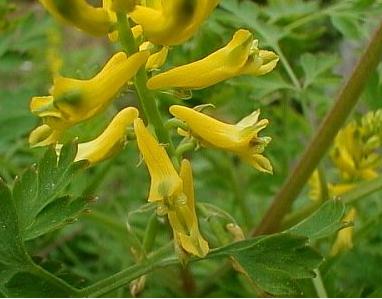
x,y
317,41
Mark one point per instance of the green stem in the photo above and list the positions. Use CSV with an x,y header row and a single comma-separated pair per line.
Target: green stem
x,y
124,277
287,66
240,196
319,285
316,149
150,233
146,97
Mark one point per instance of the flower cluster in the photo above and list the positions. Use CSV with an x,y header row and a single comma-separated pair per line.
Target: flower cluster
x,y
156,25
357,157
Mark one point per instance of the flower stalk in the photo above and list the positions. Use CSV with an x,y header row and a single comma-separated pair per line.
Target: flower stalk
x,y
147,99
323,138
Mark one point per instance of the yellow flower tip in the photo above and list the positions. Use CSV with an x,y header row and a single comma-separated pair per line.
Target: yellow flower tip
x,y
80,14
195,246
43,136
259,162
344,240
110,141
156,60
239,57
165,181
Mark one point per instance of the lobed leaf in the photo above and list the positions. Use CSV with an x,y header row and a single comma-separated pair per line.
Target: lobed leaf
x,y
275,263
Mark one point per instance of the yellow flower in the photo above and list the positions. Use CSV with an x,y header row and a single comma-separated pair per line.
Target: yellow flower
x,y
240,56
171,22
183,219
241,138
165,181
173,192
80,14
111,141
73,101
157,58
344,237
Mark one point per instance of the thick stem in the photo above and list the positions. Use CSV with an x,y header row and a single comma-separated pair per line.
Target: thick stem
x,y
316,149
146,97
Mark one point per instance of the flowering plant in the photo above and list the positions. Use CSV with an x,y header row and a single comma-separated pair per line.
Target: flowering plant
x,y
190,200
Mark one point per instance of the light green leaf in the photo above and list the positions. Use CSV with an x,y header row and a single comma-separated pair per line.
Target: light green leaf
x,y
325,221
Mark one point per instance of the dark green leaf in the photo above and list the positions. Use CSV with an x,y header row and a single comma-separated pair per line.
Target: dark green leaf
x,y
275,263
57,214
325,221
29,285
12,252
38,188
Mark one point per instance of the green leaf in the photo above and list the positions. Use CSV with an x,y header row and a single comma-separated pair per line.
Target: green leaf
x,y
325,221
25,284
37,194
60,212
12,251
275,263
13,256
315,66
347,25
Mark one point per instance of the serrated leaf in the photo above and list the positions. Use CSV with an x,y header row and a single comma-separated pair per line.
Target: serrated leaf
x,y
325,221
41,186
275,263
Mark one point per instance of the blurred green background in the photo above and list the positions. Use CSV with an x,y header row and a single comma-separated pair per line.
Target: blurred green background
x,y
318,43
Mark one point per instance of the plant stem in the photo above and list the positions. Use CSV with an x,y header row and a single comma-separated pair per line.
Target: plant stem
x,y
127,275
287,67
146,97
316,149
319,285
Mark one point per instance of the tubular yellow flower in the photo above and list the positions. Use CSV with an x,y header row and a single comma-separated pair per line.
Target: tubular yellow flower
x,y
165,181
240,56
171,22
111,141
241,138
80,14
183,219
173,192
73,101
344,237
